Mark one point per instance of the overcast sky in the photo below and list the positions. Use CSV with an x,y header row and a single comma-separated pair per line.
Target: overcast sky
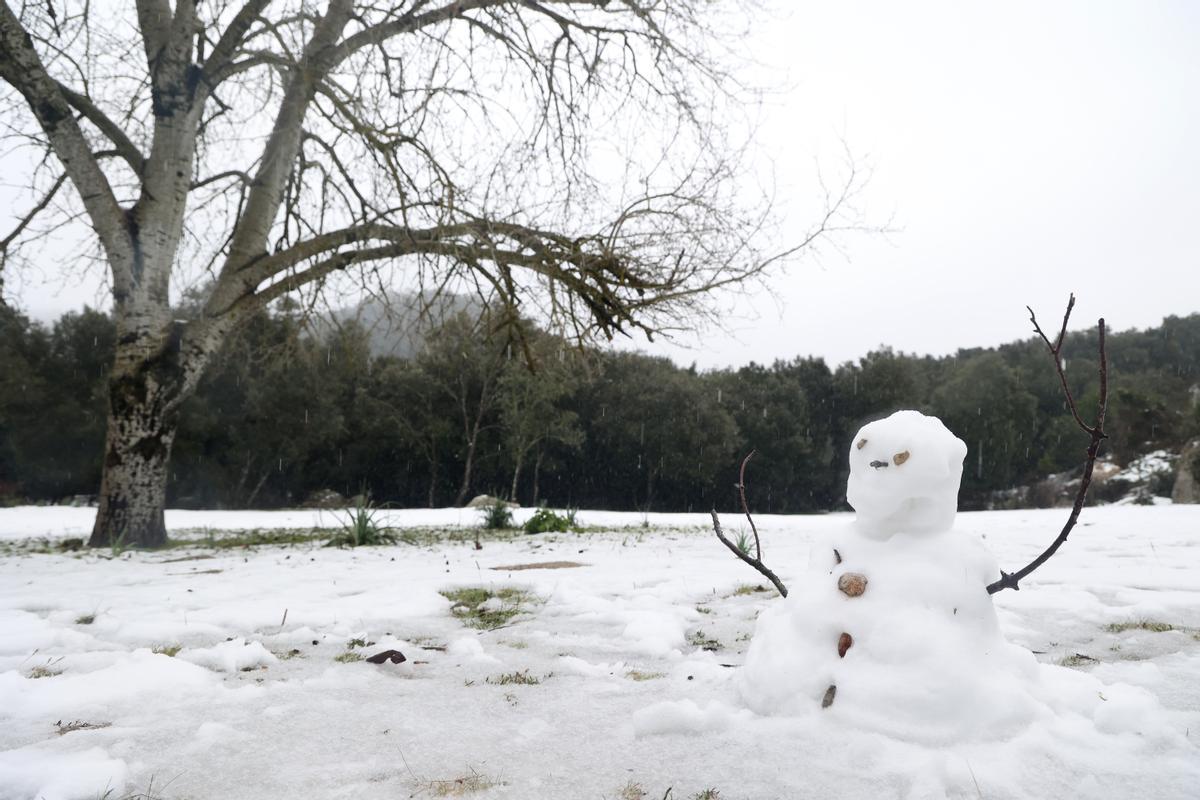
x,y
1023,151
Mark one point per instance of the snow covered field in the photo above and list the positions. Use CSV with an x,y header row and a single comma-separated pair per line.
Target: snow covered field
x,y
200,672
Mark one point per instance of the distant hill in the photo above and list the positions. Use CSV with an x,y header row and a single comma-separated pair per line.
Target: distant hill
x,y
398,322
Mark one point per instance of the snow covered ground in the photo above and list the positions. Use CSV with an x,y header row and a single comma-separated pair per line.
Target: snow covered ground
x,y
199,672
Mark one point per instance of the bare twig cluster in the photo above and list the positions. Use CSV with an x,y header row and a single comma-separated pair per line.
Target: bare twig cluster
x,y
1095,431
755,560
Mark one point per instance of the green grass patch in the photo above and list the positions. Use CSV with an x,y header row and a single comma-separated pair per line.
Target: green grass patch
x,y
86,619
1077,660
1140,625
698,639
348,657
485,609
169,650
639,675
749,588
522,678
256,537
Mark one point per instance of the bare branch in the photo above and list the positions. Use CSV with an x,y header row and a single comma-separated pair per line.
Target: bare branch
x,y
29,217
1096,432
282,146
125,148
745,506
755,561
22,68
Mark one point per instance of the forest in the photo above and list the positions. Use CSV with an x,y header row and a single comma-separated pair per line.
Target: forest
x,y
290,409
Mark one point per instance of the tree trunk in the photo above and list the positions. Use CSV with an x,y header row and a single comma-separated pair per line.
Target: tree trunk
x,y
512,495
466,479
145,391
433,464
537,469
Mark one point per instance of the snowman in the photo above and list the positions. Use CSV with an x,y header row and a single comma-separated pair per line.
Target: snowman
x,y
892,628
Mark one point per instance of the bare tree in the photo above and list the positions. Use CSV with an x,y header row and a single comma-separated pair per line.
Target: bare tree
x,y
269,145
464,362
531,408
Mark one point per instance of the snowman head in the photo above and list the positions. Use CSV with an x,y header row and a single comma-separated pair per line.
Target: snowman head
x,y
904,475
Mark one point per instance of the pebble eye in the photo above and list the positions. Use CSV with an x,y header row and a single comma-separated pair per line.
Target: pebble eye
x,y
861,444
900,458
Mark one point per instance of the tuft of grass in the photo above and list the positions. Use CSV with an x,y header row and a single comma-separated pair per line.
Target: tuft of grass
x,y
467,784
348,657
745,542
497,515
287,655
747,588
703,609
698,639
358,642
473,606
86,619
79,725
522,678
639,675
631,791
43,672
1141,625
360,528
117,545
707,794
170,650
1076,660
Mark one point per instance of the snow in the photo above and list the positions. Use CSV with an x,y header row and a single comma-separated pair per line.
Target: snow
x,y
625,691
918,655
904,475
1148,466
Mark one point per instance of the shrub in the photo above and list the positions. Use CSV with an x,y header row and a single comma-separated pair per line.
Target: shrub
x,y
546,521
497,515
360,528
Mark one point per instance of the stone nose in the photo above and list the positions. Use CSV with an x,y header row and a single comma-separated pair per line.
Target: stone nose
x,y
879,464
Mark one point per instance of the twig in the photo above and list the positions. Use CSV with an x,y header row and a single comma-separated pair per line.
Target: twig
x,y
756,561
745,507
1096,432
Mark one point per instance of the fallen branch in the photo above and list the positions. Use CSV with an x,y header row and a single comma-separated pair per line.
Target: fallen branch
x,y
1096,432
756,560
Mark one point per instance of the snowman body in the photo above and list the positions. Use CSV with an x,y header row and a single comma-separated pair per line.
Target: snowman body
x,y
892,628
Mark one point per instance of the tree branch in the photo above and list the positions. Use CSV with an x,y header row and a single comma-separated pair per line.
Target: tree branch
x,y
1096,432
746,507
22,68
125,147
28,218
279,153
756,560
